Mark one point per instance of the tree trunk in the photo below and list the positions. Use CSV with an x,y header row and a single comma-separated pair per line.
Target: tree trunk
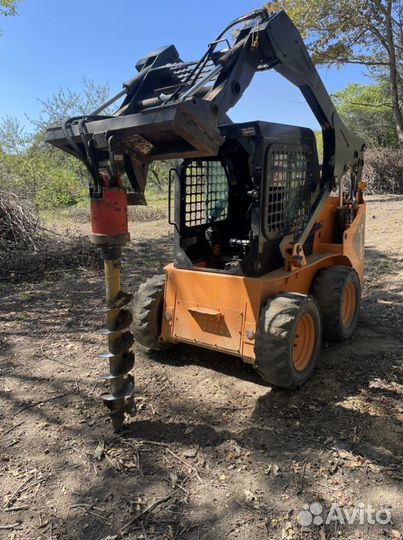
x,y
157,178
393,76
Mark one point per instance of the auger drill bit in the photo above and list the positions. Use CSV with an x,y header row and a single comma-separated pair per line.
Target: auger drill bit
x,y
110,233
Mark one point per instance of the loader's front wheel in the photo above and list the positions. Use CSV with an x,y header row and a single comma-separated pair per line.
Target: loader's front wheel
x,y
147,306
337,291
288,340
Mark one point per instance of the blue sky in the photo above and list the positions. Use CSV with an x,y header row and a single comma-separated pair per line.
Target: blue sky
x,y
54,43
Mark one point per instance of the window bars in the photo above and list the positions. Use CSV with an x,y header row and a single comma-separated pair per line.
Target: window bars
x,y
206,193
289,176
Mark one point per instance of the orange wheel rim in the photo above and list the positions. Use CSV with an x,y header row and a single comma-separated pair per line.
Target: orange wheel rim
x,y
348,305
303,342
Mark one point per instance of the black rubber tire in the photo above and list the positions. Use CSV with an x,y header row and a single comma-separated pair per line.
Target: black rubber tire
x,y
275,337
328,290
146,307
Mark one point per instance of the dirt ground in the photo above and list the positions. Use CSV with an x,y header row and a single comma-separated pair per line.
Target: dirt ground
x,y
213,453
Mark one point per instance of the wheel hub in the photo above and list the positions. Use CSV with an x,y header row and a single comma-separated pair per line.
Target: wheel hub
x,y
303,342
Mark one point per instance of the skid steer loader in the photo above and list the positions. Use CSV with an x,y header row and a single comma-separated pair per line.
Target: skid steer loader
x,y
269,244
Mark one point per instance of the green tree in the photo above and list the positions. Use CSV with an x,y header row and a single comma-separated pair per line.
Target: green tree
x,y
8,7
366,32
35,169
67,103
28,169
367,110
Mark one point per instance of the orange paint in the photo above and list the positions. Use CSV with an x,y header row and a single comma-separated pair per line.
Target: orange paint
x,y
109,213
303,342
348,305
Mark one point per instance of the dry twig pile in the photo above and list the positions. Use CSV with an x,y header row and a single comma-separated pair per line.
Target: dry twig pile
x,y
20,228
29,250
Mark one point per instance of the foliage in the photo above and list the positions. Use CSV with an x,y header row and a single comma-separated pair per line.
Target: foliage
x,y
30,167
158,173
67,103
344,31
366,110
367,32
319,145
31,170
63,190
8,7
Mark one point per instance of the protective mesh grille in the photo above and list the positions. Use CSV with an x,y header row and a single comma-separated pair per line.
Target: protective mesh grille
x,y
183,70
289,194
206,193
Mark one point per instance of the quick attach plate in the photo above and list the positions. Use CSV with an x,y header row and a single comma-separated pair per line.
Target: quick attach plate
x,y
187,129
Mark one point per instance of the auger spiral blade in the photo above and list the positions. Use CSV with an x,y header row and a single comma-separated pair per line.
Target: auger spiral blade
x,y
121,360
121,364
120,400
122,321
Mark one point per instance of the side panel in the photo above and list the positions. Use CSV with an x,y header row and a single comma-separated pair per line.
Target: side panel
x,y
354,242
220,311
207,309
353,246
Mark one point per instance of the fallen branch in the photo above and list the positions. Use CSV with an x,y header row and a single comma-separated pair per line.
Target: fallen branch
x,y
39,532
19,224
12,429
18,490
10,527
191,467
301,488
42,401
166,446
16,508
88,506
149,508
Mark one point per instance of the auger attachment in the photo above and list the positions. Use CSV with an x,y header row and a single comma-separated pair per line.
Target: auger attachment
x,y
110,234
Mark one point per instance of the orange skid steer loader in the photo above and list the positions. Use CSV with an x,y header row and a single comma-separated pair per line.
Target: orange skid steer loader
x,y
269,245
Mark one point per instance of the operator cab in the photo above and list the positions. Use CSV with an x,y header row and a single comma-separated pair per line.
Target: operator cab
x,y
232,210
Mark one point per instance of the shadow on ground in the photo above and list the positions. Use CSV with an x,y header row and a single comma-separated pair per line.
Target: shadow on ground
x,y
237,424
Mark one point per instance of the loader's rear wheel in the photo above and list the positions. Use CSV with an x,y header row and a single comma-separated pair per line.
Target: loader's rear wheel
x,y
338,292
146,309
288,340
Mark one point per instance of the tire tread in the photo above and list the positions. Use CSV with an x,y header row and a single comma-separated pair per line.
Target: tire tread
x,y
146,312
272,344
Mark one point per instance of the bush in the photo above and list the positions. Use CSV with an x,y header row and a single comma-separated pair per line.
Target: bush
x,y
383,170
61,188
